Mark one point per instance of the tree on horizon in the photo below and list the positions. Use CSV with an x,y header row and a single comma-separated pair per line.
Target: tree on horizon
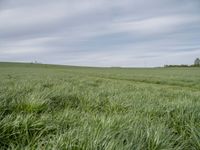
x,y
197,62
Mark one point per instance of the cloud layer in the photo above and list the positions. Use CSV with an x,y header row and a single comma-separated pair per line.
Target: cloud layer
x,y
100,32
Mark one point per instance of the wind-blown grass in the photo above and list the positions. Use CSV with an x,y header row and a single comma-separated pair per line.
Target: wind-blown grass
x,y
58,107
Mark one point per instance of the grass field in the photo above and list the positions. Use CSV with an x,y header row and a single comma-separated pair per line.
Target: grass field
x,y
79,108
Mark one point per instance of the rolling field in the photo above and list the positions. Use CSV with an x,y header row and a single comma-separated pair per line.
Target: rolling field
x,y
79,108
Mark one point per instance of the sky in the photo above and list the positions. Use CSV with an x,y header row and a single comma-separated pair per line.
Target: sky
x,y
112,33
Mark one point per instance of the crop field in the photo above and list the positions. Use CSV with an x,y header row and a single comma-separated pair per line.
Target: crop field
x,y
83,108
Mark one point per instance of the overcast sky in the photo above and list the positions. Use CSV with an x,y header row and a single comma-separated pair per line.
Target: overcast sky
x,y
131,33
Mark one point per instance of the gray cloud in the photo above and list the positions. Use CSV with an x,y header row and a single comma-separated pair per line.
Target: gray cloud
x,y
100,32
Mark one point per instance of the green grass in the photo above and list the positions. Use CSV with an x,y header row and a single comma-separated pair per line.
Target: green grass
x,y
78,108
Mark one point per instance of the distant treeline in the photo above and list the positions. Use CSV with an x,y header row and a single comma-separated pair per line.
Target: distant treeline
x,y
182,65
196,64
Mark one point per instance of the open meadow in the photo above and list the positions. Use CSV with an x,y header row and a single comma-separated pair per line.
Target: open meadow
x,y
79,108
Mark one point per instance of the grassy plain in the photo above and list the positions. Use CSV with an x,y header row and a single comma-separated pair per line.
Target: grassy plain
x,y
79,108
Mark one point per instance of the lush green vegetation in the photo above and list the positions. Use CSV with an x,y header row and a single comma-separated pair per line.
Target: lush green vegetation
x,y
60,107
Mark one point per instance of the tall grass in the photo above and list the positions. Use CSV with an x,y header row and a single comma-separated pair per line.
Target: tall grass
x,y
55,107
